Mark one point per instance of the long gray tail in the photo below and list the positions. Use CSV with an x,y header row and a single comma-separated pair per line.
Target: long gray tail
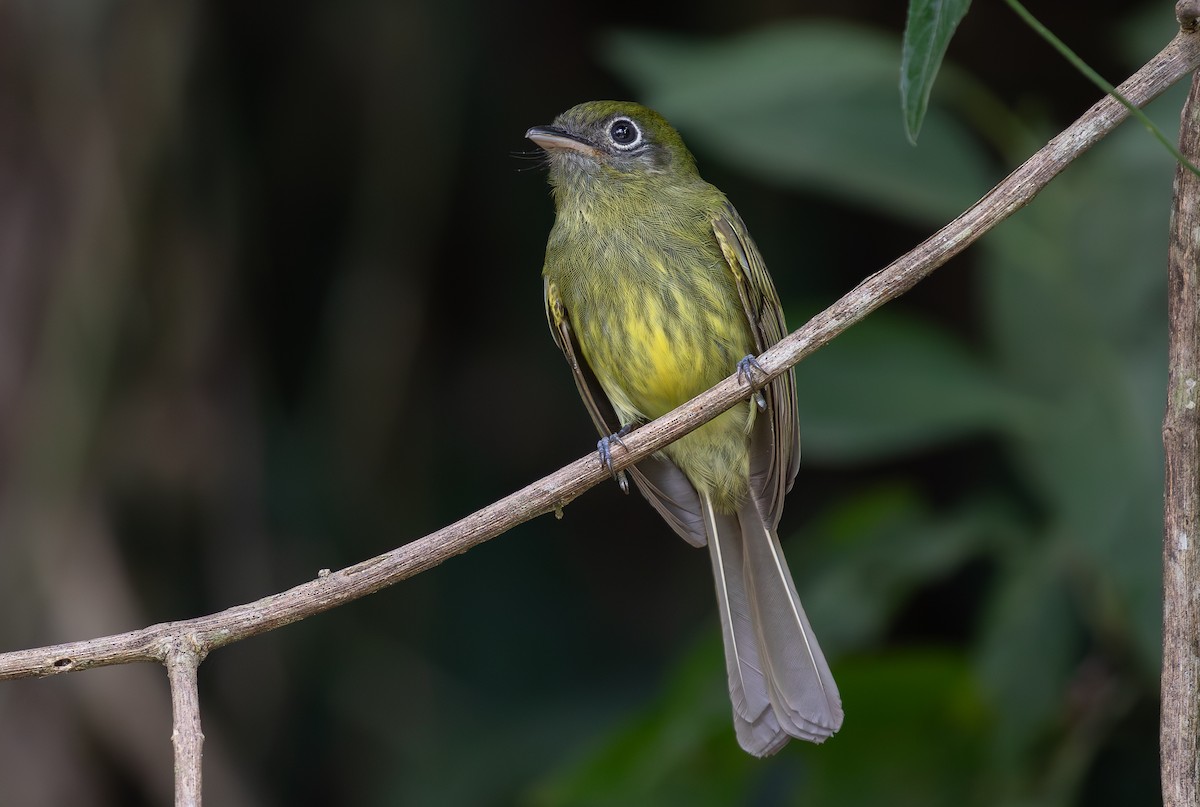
x,y
779,682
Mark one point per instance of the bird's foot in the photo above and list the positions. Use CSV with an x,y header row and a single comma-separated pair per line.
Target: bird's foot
x,y
746,368
604,447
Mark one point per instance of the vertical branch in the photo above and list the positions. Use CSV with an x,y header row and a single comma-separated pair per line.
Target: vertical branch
x,y
183,660
1180,717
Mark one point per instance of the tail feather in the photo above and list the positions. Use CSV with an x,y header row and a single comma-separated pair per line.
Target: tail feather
x,y
747,682
779,681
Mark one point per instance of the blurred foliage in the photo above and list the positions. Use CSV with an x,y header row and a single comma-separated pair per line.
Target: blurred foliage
x,y
269,302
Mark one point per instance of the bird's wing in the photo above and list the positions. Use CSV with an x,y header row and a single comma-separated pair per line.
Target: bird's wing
x,y
602,413
775,445
659,480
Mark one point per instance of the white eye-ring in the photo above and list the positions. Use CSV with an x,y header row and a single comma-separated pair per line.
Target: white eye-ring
x,y
624,134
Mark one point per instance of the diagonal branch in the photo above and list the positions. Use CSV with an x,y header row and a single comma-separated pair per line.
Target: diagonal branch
x,y
553,492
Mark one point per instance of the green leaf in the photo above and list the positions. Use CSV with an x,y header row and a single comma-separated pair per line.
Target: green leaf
x,y
806,104
930,26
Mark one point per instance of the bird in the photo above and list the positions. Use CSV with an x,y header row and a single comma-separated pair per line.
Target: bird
x,y
655,292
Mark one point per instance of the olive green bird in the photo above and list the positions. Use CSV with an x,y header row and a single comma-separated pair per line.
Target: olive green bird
x,y
655,292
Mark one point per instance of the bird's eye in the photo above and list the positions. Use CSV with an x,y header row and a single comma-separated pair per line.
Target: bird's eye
x,y
624,133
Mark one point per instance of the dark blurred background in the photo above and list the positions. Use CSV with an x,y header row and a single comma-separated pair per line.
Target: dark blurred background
x,y
270,302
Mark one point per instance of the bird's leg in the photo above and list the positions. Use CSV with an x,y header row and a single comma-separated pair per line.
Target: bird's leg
x,y
604,446
745,373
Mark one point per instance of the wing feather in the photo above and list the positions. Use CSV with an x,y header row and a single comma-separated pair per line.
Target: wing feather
x,y
775,444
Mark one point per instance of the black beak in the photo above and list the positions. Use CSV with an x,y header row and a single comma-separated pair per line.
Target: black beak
x,y
555,137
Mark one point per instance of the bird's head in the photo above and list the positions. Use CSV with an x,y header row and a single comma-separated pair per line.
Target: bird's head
x,y
615,138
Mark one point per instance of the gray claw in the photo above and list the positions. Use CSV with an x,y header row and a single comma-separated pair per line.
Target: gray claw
x,y
746,369
745,373
604,448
